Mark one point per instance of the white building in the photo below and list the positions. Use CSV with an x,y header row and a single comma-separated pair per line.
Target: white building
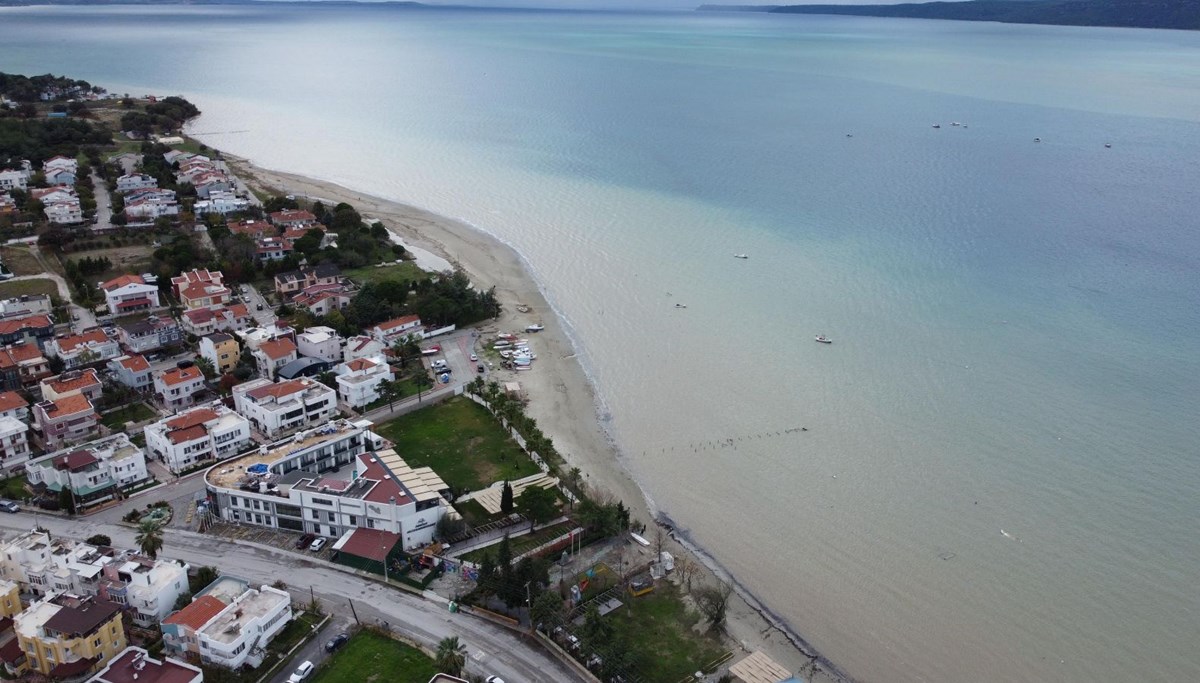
x,y
133,371
13,179
92,346
134,663
147,588
358,381
272,355
229,623
129,293
177,387
222,202
26,304
257,336
135,181
323,481
362,347
397,329
94,471
14,444
320,342
150,208
64,212
203,434
274,408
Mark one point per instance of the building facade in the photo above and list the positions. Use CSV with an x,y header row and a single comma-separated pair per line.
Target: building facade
x,y
221,350
201,435
63,422
275,408
153,333
320,342
94,472
74,350
358,381
177,387
133,371
67,637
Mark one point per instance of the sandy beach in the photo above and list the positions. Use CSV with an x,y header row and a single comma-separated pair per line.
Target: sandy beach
x,y
561,397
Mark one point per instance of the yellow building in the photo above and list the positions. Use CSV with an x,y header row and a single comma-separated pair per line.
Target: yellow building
x,y
10,598
221,350
65,637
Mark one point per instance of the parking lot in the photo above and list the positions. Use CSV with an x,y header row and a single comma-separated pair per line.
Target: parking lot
x,y
284,540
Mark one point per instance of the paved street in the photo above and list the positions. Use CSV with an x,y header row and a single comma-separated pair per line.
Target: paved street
x,y
103,204
493,650
254,299
314,650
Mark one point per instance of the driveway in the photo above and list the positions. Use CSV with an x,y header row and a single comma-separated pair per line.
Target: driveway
x,y
314,650
81,318
103,204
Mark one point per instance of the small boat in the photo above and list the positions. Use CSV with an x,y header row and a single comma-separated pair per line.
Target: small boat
x,y
823,339
1037,139
506,336
534,328
955,123
680,305
741,256
937,125
1108,145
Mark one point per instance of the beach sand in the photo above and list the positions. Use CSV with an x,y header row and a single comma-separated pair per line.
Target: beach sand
x,y
561,398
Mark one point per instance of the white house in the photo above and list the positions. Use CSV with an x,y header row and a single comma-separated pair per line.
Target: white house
x,y
135,181
320,342
94,471
64,212
222,202
147,588
274,354
362,347
150,208
81,349
203,434
220,318
129,293
396,329
14,443
133,371
177,387
14,179
358,380
229,624
274,408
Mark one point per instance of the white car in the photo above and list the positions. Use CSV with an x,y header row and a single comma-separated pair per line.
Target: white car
x,y
302,672
493,679
317,545
475,358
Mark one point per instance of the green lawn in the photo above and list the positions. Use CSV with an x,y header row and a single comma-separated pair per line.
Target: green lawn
x,y
461,441
373,658
522,544
130,413
403,272
13,488
20,287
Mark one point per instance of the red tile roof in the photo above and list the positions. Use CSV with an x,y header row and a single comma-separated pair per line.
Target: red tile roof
x,y
192,418
279,389
11,400
73,341
135,363
187,434
69,405
292,216
239,310
11,325
64,384
399,322
277,348
121,281
373,544
75,461
360,364
198,291
387,488
177,375
197,613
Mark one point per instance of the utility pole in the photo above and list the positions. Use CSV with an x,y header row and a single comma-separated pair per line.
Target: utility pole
x,y
354,612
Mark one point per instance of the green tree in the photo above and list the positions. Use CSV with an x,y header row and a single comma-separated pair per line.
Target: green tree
x,y
389,391
546,608
206,367
451,656
183,600
506,499
538,505
149,538
203,577
713,602
99,539
422,382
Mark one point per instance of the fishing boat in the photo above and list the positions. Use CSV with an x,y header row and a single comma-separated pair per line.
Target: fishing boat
x,y
823,339
680,305
534,328
937,125
741,256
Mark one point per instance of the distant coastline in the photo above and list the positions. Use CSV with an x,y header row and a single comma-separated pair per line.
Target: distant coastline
x,y
1179,14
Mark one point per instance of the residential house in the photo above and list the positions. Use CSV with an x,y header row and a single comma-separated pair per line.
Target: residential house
x,y
60,170
358,380
327,483
14,179
38,328
71,382
146,588
60,204
135,664
362,346
397,329
136,181
196,277
197,436
295,281
323,299
209,182
63,422
202,321
49,195
95,471
8,205
153,333
177,387
275,408
26,304
14,444
229,624
65,637
22,365
10,599
74,350
221,350
272,355
133,371
294,219
148,207
253,228
272,248
320,342
200,295
257,336
14,405
220,202
129,293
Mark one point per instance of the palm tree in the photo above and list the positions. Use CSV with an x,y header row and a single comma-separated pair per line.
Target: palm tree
x,y
451,656
149,539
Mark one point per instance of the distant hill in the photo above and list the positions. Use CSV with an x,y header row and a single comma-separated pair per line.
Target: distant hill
x,y
1175,14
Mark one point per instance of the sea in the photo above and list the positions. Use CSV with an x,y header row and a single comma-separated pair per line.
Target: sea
x,y
1000,474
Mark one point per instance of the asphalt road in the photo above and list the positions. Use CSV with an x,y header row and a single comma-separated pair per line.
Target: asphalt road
x,y
492,650
254,299
103,204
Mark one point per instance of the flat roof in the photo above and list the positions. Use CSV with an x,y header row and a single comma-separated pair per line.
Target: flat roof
x,y
254,604
133,664
230,473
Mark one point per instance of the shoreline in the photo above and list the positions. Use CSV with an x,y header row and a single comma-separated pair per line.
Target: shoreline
x,y
562,395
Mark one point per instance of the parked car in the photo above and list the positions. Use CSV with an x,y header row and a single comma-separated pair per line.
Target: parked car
x,y
317,545
474,357
305,541
479,368
494,679
302,672
336,642
9,506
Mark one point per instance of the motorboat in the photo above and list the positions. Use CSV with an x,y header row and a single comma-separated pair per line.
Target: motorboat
x,y
937,125
680,305
1037,139
741,256
823,339
1108,145
955,123
534,328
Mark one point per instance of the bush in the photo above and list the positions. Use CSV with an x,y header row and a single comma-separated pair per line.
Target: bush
x,y
99,539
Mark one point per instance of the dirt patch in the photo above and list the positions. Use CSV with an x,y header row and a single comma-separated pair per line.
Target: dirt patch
x,y
21,261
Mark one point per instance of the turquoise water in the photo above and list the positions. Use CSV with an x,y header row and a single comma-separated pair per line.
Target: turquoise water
x,y
1016,324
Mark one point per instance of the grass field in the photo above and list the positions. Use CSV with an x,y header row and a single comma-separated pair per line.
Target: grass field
x,y
523,544
373,658
20,287
131,413
461,441
403,272
20,261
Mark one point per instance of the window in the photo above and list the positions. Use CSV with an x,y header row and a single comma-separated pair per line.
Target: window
x,y
316,514
331,517
96,642
353,520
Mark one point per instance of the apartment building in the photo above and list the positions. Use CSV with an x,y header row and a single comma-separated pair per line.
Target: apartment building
x,y
66,421
320,342
150,334
275,408
133,371
358,380
221,350
229,623
75,350
84,382
272,355
177,387
203,434
94,472
22,365
67,637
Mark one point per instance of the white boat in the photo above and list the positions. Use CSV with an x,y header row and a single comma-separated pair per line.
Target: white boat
x,y
823,339
506,354
534,328
1108,145
937,125
680,305
955,123
506,336
741,256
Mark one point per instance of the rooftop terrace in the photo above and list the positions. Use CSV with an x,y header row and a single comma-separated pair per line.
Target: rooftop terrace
x,y
230,473
255,604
